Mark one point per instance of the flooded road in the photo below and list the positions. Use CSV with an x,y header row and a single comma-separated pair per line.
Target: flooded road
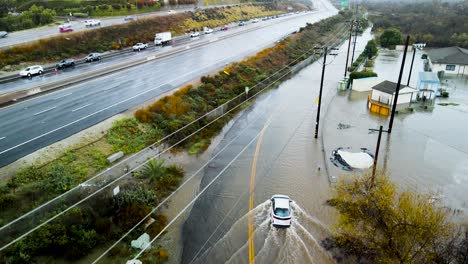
x,y
277,131
427,150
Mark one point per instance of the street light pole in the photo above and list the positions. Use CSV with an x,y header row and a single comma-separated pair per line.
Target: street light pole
x,y
398,86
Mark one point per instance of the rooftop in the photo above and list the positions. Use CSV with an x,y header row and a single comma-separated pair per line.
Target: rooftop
x,y
388,87
450,55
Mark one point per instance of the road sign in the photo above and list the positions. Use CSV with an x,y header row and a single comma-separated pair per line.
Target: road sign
x,y
344,3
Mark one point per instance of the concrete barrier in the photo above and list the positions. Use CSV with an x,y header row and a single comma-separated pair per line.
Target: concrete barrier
x,y
115,157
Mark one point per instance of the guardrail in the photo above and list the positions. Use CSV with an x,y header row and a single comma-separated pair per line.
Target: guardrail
x,y
15,96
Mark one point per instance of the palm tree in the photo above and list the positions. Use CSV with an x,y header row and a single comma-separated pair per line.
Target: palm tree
x,y
154,170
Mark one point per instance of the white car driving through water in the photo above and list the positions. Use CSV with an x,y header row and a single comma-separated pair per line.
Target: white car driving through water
x,y
281,210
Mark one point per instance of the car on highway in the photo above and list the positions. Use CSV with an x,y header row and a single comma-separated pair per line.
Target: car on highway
x,y
207,30
242,23
194,34
171,12
65,63
139,46
93,57
129,18
31,70
3,34
224,28
255,20
92,23
66,25
65,30
280,210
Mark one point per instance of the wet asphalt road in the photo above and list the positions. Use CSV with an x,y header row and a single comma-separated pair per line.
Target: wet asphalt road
x,y
36,123
77,25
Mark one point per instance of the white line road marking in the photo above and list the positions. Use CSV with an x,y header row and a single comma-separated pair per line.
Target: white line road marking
x,y
2,138
105,108
47,110
63,96
81,107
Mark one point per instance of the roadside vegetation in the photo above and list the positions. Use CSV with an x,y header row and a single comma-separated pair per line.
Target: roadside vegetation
x,y
116,37
378,223
367,58
437,23
106,217
33,17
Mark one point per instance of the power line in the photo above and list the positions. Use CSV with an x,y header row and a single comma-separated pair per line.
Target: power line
x,y
110,248
129,172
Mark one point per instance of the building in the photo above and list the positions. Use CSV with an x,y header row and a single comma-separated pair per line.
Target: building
x,y
383,94
428,81
451,60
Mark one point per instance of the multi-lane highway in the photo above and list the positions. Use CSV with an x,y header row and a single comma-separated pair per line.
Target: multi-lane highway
x,y
77,25
33,124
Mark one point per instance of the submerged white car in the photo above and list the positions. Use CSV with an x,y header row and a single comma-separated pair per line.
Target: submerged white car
x,y
281,210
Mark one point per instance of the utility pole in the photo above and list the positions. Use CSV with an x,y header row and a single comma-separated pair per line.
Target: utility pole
x,y
415,47
326,49
376,154
398,86
355,40
349,46
411,67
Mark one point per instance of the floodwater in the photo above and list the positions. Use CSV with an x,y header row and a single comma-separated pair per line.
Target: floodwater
x,y
427,150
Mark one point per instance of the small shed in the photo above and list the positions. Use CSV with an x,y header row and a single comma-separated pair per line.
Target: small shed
x,y
383,94
429,81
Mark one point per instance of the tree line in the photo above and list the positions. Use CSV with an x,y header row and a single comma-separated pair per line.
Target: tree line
x,y
435,23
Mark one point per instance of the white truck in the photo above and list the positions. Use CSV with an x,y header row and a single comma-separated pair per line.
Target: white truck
x,y
163,38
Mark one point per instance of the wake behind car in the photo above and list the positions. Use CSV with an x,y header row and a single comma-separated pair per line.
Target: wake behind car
x,y
31,70
139,46
280,210
65,63
93,57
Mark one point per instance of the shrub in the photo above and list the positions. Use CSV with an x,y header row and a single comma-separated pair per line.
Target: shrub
x,y
362,74
391,226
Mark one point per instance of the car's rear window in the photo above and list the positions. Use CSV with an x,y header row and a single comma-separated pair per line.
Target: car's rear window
x,y
282,212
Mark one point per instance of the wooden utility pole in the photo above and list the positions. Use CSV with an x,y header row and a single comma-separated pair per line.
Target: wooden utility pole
x,y
376,154
320,92
398,86
349,46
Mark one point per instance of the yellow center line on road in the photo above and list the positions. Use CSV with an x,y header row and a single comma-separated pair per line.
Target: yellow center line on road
x,y
253,173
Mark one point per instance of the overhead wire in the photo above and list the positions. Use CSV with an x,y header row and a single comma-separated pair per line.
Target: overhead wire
x,y
152,145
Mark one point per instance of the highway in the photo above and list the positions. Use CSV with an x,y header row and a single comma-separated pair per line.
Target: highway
x,y
23,36
39,122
